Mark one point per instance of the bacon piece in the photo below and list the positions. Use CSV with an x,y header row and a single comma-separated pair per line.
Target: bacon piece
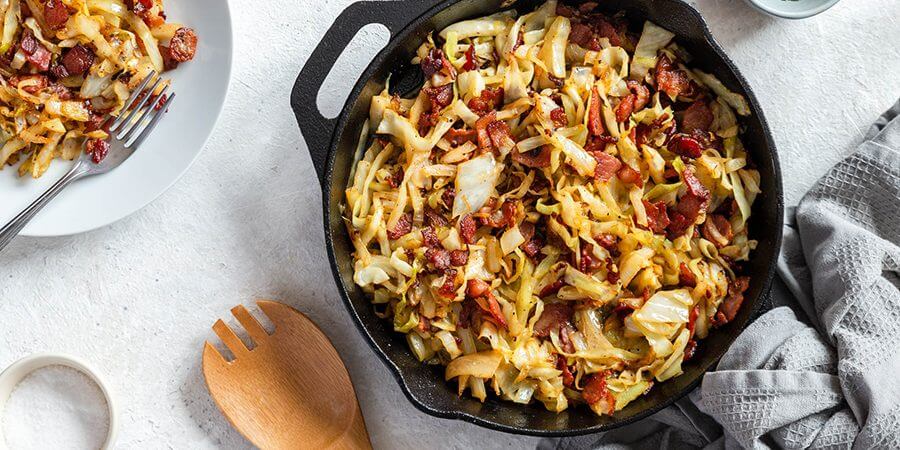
x,y
438,257
671,81
732,304
610,242
505,216
581,34
96,122
608,30
686,277
657,217
440,96
565,10
35,52
556,316
78,60
55,14
717,229
434,218
552,288
403,226
698,116
537,158
559,118
630,176
595,119
690,350
499,133
595,392
98,149
458,136
692,318
429,238
459,257
488,101
587,7
432,63
490,305
484,138
477,288
587,263
183,45
625,108
471,63
612,272
448,196
568,378
40,82
607,166
532,245
641,94
684,145
448,288
467,229
689,207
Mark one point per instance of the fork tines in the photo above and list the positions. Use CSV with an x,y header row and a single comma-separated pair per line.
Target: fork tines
x,y
142,111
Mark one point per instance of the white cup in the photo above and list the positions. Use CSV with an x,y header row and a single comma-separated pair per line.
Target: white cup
x,y
23,367
792,9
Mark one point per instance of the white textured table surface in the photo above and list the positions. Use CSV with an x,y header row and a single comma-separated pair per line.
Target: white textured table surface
x,y
137,298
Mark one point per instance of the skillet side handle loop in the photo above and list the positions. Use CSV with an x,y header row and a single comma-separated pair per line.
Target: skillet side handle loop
x,y
317,129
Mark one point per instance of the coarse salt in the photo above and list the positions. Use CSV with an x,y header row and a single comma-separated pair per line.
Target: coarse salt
x,y
56,407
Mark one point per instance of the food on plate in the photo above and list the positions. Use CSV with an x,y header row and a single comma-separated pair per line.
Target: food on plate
x,y
561,212
67,65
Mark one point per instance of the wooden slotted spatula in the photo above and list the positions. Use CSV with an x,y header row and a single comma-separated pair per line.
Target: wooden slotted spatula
x,y
291,390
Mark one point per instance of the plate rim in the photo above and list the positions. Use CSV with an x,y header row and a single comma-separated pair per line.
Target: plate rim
x,y
229,72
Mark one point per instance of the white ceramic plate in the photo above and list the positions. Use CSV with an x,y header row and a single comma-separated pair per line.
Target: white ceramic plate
x,y
94,202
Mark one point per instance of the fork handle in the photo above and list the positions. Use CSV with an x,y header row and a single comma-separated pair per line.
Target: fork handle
x,y
12,229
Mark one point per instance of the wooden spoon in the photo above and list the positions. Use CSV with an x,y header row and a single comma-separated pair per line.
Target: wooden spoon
x,y
291,390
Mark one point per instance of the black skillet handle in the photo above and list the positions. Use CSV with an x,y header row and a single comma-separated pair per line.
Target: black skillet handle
x,y
317,129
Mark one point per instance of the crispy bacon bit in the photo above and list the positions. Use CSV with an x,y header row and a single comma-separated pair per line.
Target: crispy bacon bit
x,y
35,52
690,350
568,378
438,257
467,313
403,226
595,391
488,101
587,263
595,120
435,219
499,133
429,237
686,277
684,145
717,229
459,257
565,10
98,149
484,138
607,30
458,136
657,217
477,288
559,118
448,288
692,318
730,306
610,242
55,14
630,176
690,206
625,108
440,96
448,196
537,158
552,288
641,94
183,45
97,122
40,82
555,317
671,81
78,60
607,166
612,272
670,174
467,229
581,34
433,62
532,246
505,216
471,63
490,305
698,116
396,178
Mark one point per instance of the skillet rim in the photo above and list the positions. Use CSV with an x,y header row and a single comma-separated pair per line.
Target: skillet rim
x,y
406,32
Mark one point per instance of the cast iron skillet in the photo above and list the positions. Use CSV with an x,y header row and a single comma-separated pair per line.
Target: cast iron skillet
x,y
332,143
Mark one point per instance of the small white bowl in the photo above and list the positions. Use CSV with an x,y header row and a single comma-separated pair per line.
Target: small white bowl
x,y
23,367
792,9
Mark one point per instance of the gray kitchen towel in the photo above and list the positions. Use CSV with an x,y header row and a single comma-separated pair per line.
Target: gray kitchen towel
x,y
824,371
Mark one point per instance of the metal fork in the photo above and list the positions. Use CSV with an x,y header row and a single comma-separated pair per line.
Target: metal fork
x,y
141,113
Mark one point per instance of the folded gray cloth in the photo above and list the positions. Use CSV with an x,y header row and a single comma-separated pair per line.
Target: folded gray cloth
x,y
825,373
